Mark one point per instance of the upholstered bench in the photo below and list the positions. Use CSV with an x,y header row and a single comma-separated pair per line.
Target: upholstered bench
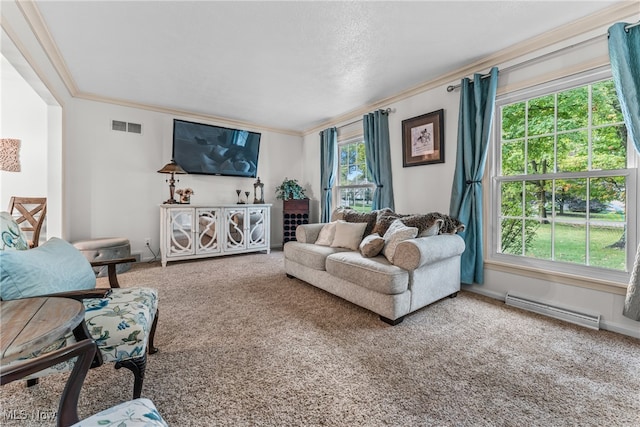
x,y
104,249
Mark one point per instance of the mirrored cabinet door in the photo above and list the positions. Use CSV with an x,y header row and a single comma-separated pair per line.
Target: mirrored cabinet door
x,y
181,232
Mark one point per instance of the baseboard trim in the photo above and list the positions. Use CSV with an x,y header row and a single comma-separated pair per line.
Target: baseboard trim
x,y
604,325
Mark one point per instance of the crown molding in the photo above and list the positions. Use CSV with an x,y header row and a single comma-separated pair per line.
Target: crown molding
x,y
568,31
187,114
34,18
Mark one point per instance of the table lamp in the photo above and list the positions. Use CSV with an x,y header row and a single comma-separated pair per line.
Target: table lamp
x,y
173,168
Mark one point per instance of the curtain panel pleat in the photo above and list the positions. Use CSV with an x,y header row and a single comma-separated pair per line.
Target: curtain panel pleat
x,y
378,158
624,53
477,104
328,147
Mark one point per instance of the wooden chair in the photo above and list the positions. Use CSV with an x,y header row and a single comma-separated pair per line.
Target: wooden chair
x,y
33,211
131,413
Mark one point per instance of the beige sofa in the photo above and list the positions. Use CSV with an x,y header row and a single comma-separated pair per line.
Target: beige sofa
x,y
424,270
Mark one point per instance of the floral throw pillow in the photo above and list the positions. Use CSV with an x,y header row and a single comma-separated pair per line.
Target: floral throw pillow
x,y
12,236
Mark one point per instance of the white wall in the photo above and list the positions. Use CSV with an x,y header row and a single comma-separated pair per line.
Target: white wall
x,y
23,115
112,184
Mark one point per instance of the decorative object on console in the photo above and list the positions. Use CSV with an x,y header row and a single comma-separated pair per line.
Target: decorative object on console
x,y
290,189
423,139
246,193
172,168
10,155
239,202
258,192
185,195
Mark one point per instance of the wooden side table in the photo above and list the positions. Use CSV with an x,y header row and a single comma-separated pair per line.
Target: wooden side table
x,y
31,324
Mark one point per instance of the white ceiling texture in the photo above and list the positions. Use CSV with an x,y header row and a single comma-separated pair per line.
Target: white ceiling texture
x,y
284,65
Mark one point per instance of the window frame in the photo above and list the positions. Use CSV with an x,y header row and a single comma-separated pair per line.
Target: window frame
x,y
353,139
559,269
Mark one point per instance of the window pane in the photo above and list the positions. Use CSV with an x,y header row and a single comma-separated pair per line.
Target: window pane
x,y
513,121
605,107
540,155
610,148
511,196
608,196
513,158
343,156
538,242
570,243
538,198
573,152
541,115
606,246
511,236
575,199
573,109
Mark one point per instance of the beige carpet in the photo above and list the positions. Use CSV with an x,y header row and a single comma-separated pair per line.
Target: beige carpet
x,y
242,345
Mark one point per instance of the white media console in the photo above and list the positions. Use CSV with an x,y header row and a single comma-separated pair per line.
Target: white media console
x,y
192,231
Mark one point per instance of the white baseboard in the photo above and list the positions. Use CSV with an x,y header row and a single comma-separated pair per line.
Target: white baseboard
x,y
605,325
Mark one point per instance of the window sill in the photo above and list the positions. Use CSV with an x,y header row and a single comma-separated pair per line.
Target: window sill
x,y
563,278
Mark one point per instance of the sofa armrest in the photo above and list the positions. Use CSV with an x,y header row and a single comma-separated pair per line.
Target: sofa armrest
x,y
308,233
414,253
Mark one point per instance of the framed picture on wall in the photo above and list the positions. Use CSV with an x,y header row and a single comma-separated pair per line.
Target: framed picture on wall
x,y
423,139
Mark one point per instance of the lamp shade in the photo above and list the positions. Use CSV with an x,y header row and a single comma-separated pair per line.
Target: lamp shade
x,y
10,155
172,167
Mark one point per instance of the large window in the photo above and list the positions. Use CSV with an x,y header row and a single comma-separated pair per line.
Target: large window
x,y
564,191
354,189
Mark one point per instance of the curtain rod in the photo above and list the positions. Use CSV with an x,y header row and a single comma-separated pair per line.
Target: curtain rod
x,y
387,111
451,88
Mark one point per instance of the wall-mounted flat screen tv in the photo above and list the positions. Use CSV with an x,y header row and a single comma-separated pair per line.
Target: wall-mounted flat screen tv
x,y
214,150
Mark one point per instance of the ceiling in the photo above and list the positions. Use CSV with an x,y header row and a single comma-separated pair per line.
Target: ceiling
x,y
284,65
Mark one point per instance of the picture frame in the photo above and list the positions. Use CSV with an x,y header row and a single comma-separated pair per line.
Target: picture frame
x,y
423,139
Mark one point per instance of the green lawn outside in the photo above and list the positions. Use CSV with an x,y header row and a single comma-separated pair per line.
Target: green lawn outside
x,y
571,245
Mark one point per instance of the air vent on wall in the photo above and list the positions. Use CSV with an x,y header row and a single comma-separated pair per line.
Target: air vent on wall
x,y
126,127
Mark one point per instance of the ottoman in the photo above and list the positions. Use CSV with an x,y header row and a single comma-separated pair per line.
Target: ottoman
x,y
106,248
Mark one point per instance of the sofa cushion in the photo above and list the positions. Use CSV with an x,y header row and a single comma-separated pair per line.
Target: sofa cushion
x,y
371,245
328,232
309,254
397,233
376,274
53,267
348,235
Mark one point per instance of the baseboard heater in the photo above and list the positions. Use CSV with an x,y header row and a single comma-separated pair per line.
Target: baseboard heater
x,y
582,319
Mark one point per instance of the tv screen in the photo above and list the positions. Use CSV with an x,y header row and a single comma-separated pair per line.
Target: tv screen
x,y
214,150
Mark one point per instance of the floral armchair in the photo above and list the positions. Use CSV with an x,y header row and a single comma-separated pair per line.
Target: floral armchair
x,y
122,321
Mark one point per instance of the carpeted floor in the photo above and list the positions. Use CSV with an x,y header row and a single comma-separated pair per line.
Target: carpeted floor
x,y
242,345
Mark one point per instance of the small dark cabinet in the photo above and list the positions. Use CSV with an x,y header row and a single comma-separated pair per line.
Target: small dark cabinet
x,y
295,212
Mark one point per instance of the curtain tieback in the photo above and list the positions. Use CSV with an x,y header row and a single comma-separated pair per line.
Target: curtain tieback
x,y
379,185
327,189
472,182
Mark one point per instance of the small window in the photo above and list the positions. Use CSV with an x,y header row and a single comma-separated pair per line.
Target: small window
x,y
354,188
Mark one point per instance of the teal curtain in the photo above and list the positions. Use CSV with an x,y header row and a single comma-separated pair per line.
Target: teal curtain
x,y
477,104
624,53
328,147
378,152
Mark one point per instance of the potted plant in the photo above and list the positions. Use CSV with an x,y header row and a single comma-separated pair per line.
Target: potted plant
x,y
290,189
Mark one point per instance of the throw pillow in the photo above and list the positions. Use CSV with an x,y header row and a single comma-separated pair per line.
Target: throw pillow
x,y
326,235
348,235
11,234
397,232
53,267
371,245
